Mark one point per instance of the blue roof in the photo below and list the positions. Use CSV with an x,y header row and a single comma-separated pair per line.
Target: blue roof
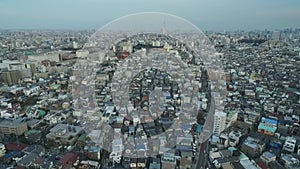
x,y
275,144
270,121
184,148
168,97
186,126
267,128
11,154
131,128
199,128
93,149
154,166
140,147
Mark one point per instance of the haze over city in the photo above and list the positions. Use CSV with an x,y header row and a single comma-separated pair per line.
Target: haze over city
x,y
207,15
140,84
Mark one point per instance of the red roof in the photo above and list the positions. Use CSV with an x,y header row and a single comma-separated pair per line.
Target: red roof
x,y
19,167
124,54
15,146
262,165
69,158
144,97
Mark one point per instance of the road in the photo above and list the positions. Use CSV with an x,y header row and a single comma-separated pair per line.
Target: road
x,y
203,153
202,157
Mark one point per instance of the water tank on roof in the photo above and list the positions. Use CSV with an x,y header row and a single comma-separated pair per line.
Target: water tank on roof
x,y
66,105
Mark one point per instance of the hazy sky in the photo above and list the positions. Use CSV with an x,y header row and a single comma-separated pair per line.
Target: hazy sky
x,y
206,14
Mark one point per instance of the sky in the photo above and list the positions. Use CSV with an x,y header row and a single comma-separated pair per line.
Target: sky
x,y
206,14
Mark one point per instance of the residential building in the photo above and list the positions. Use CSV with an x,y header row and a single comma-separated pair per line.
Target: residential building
x,y
68,160
155,163
267,126
254,146
268,157
290,144
116,150
219,122
32,153
2,150
64,134
16,127
168,161
234,137
289,160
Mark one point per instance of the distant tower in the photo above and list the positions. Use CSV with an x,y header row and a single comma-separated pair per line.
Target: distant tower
x,y
276,35
75,45
163,29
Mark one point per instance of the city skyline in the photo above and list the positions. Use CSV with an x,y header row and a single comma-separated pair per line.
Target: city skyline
x,y
93,14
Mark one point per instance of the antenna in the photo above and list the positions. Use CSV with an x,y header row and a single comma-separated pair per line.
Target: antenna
x,y
164,26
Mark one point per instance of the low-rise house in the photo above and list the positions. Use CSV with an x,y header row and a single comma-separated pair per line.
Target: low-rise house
x,y
266,129
64,134
141,162
289,160
267,126
15,146
133,162
97,136
155,163
31,90
251,116
33,135
276,165
68,160
168,161
32,153
46,165
186,161
37,149
116,150
35,112
227,165
249,164
55,118
234,137
223,139
27,160
93,152
290,144
268,157
2,150
38,162
214,155
253,146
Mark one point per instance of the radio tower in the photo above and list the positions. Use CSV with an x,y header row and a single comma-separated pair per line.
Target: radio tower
x,y
163,30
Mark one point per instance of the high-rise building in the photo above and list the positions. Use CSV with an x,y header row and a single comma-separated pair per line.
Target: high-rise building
x,y
10,77
219,122
276,35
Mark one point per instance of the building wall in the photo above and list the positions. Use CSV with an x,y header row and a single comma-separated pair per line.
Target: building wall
x,y
52,57
219,122
17,129
289,144
11,77
266,132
